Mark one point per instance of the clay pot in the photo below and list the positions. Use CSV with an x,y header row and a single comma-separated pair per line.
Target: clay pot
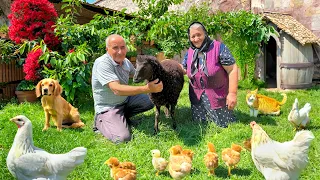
x,y
26,96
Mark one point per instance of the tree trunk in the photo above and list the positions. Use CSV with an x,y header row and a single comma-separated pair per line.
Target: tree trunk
x,y
5,10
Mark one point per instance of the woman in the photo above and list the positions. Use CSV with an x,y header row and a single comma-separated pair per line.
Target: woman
x,y
213,77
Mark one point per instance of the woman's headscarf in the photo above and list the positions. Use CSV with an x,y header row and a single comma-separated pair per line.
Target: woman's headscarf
x,y
203,48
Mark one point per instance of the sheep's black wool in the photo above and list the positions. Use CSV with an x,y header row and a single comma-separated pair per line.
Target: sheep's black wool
x,y
170,73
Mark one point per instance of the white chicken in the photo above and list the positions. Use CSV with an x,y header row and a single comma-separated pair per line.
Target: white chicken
x,y
25,161
279,161
299,118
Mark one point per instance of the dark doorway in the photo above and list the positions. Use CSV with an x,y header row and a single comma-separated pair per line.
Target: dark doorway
x,y
271,63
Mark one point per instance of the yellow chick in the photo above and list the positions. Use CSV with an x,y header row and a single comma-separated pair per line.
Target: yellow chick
x,y
118,173
180,163
211,159
159,163
231,156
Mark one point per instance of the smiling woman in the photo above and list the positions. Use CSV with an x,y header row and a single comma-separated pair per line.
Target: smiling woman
x,y
213,76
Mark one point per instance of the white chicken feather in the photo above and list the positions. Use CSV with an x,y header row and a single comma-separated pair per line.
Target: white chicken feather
x,y
280,161
299,117
25,161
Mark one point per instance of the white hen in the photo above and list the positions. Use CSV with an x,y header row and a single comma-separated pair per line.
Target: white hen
x,y
25,161
279,161
299,117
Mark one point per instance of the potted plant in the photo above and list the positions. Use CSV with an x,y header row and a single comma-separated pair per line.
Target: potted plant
x,y
25,91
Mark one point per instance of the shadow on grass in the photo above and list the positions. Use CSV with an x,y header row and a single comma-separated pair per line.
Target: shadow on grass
x,y
166,173
222,172
67,129
188,131
195,171
312,127
315,87
261,119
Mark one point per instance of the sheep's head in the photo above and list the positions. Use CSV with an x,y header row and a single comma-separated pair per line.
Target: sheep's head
x,y
144,69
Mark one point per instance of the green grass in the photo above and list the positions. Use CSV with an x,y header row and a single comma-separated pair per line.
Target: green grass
x,y
188,134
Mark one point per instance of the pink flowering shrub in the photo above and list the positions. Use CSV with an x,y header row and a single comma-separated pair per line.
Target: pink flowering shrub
x,y
31,66
33,19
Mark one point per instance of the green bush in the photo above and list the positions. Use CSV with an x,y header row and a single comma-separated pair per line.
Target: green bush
x,y
25,85
251,84
4,29
131,54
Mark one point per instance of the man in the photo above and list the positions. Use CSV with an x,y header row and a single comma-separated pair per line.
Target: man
x,y
114,100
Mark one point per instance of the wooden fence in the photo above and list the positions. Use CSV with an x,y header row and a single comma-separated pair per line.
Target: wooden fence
x,y
10,76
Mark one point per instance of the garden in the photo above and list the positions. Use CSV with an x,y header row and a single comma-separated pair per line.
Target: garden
x,y
57,47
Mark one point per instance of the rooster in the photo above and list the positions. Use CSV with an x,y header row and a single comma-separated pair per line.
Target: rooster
x,y
279,161
299,118
25,161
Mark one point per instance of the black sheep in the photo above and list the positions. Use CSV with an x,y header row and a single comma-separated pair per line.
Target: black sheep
x,y
170,73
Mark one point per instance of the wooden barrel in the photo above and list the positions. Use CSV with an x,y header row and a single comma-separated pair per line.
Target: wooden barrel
x,y
297,65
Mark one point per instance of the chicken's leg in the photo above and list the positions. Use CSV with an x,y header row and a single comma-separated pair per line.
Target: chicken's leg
x,y
211,172
229,171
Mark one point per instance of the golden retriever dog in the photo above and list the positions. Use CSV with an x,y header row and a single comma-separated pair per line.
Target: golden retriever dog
x,y
56,107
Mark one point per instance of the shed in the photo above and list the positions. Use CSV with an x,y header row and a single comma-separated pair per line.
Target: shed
x,y
287,60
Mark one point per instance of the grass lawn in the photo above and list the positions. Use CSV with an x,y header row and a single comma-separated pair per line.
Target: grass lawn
x,y
188,134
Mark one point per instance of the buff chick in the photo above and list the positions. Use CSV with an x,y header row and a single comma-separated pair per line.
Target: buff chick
x,y
128,165
118,173
159,163
211,159
247,144
188,155
180,162
231,156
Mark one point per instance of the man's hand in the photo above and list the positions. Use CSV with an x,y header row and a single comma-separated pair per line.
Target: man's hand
x,y
231,100
155,86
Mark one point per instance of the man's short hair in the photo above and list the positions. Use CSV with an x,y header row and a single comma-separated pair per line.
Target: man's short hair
x,y
112,36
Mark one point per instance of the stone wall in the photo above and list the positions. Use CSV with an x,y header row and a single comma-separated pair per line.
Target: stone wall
x,y
307,12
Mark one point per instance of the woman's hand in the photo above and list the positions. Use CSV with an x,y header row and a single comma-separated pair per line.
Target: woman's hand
x,y
231,100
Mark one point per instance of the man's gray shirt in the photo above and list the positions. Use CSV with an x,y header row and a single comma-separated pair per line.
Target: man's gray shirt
x,y
104,71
